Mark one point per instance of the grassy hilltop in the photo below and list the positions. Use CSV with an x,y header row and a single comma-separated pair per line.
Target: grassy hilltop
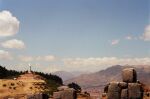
x,y
48,83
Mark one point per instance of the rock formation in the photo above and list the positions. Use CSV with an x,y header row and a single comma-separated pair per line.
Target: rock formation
x,y
130,88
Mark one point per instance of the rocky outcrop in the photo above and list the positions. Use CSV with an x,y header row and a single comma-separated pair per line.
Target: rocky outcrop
x,y
130,88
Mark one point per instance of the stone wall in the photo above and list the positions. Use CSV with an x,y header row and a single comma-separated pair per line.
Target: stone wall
x,y
129,88
65,93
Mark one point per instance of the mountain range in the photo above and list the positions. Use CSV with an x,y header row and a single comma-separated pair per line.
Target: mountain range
x,y
99,79
65,75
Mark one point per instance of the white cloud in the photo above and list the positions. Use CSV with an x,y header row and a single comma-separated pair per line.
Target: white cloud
x,y
146,34
9,25
114,42
129,38
49,58
39,58
105,61
26,58
45,67
51,69
4,55
14,44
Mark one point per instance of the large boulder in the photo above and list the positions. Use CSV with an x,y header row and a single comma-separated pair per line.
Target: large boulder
x,y
129,75
135,91
114,91
65,94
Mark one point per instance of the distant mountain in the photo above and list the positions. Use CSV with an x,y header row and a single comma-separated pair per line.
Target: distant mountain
x,y
103,77
64,75
78,73
67,75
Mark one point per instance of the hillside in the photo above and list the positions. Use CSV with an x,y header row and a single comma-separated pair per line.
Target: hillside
x,y
52,81
100,79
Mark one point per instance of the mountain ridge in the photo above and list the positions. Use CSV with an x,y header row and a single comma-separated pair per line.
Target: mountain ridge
x,y
101,78
65,75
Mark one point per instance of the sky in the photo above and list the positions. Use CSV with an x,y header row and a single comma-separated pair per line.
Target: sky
x,y
74,35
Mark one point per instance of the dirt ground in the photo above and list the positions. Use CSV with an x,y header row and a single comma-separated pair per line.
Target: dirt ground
x,y
19,87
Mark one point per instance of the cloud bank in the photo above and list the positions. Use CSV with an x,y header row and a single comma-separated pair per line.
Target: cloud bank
x,y
47,58
26,58
4,55
50,58
106,61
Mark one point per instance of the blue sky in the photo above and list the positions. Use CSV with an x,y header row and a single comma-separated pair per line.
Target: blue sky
x,y
78,30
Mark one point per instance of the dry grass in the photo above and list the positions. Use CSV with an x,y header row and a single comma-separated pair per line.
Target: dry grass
x,y
20,87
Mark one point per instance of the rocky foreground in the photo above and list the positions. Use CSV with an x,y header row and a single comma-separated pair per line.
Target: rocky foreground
x,y
129,88
96,81
33,86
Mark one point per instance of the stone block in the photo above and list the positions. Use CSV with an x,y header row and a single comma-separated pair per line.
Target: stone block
x,y
123,85
129,75
135,91
114,91
124,94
